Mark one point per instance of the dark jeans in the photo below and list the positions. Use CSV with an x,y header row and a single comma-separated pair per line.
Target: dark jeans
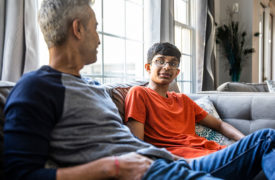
x,y
241,160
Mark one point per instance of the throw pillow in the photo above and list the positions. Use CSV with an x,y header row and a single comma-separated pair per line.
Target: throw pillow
x,y
271,85
206,132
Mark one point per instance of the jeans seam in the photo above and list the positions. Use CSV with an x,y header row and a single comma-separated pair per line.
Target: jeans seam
x,y
238,156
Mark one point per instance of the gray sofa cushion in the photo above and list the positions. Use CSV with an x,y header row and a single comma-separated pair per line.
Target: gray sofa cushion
x,y
243,87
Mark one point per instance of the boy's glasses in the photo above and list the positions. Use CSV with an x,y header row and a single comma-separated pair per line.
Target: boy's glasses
x,y
162,63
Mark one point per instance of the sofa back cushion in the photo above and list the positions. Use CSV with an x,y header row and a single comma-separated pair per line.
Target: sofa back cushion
x,y
243,87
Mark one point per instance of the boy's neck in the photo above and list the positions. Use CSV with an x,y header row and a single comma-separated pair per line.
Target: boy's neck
x,y
160,89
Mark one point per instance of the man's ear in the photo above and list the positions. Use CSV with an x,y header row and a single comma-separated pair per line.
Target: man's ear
x,y
147,67
77,28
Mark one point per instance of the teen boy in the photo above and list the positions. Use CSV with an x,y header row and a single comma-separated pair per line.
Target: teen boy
x,y
167,119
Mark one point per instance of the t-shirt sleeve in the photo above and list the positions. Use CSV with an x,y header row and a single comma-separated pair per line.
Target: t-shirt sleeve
x,y
135,105
29,121
200,113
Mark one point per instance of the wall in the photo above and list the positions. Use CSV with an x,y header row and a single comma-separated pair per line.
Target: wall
x,y
257,74
249,15
245,17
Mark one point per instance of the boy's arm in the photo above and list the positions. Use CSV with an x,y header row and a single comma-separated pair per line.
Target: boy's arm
x,y
137,128
222,127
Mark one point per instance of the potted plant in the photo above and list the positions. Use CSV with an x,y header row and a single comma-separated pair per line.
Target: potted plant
x,y
233,42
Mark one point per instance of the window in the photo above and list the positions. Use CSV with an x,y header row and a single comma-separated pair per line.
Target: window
x,y
184,40
121,53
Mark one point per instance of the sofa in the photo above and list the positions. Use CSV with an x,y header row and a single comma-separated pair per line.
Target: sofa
x,y
248,112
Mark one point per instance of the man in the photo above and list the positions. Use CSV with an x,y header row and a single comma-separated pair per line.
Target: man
x,y
43,101
167,119
53,114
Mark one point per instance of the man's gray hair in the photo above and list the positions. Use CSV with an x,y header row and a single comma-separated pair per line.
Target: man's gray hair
x,y
55,17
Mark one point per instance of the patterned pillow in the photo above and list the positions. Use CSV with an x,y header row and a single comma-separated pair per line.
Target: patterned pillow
x,y
206,132
271,85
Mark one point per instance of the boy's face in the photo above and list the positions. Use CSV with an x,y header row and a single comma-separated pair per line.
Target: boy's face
x,y
163,69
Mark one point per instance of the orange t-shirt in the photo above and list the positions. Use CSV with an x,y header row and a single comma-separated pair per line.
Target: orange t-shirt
x,y
169,122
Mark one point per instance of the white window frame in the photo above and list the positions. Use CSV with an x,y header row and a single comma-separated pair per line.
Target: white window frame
x,y
190,26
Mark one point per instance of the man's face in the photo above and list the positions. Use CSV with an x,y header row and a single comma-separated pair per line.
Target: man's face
x,y
91,40
163,69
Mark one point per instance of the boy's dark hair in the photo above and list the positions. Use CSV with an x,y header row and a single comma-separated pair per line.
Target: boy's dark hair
x,y
165,49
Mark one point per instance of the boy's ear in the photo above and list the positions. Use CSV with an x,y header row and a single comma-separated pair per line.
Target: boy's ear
x,y
147,67
178,71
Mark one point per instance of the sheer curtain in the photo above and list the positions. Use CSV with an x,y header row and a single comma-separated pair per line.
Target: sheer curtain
x,y
18,38
205,46
160,21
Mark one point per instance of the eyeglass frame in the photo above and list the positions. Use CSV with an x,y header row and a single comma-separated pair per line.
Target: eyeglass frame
x,y
158,64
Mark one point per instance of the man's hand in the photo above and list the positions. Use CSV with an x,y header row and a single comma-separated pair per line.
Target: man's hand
x,y
133,166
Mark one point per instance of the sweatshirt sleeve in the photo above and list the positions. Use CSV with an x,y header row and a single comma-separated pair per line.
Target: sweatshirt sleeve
x,y
31,112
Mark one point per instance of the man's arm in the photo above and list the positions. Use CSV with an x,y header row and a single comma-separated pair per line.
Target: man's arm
x,y
222,127
129,166
136,127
